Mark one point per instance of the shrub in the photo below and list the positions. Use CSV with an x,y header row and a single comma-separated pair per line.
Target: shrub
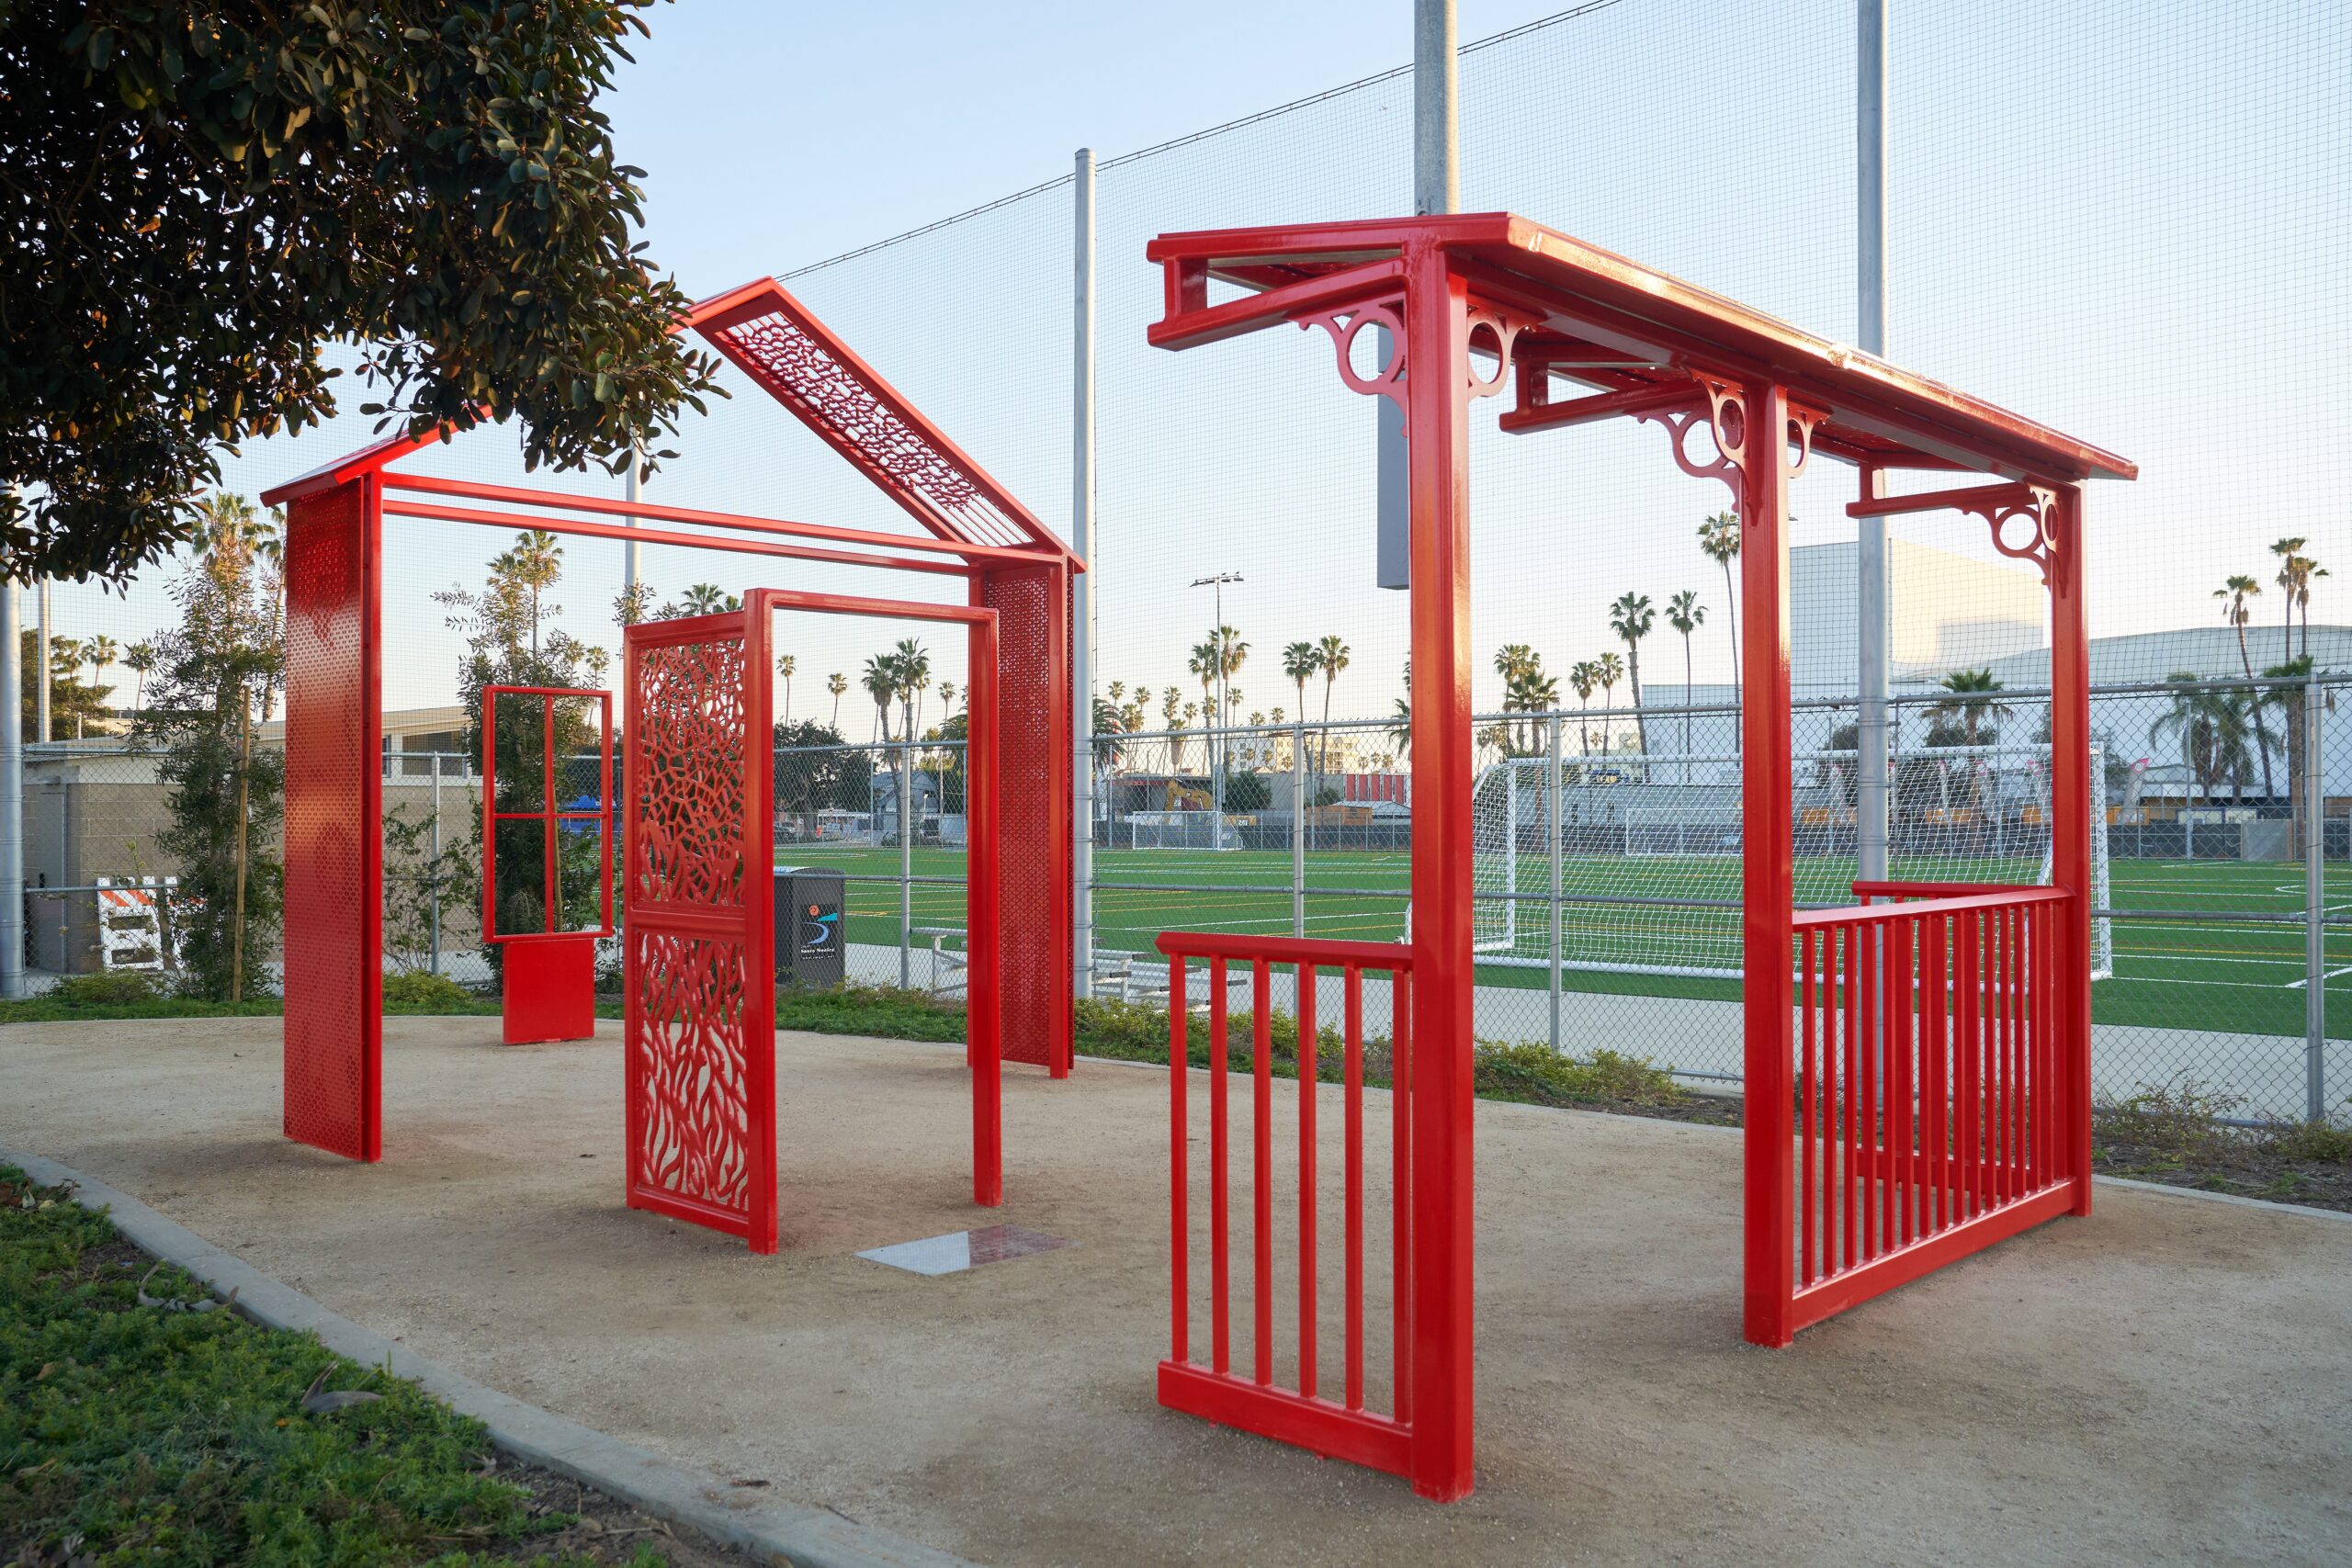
x,y
1532,1073
115,987
417,990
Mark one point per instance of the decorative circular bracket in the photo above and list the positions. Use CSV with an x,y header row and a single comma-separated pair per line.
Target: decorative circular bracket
x,y
1505,332
2039,512
1342,326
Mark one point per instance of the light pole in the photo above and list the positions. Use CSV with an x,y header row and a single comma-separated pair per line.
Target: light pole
x,y
1217,771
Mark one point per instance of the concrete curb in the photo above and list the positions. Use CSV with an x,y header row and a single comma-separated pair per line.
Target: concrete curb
x,y
784,1533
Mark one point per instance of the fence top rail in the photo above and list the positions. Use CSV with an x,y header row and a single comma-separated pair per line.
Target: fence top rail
x,y
1393,956
1928,909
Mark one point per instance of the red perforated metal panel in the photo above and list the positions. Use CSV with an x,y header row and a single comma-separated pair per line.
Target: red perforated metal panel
x,y
701,1045
334,851
1032,629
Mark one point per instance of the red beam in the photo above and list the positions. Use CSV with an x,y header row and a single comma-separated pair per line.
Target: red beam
x,y
1938,500
1310,297
662,537
1654,398
826,531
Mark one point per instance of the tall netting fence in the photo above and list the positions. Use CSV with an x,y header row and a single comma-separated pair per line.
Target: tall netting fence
x,y
2120,219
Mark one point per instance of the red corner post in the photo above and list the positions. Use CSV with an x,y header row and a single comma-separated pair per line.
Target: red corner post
x,y
1032,748
2070,829
1437,357
1768,863
335,838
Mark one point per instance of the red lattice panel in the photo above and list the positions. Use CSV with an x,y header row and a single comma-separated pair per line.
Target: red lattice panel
x,y
333,823
1032,629
701,1035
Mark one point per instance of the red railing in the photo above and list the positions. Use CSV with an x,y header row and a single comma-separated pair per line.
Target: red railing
x,y
1303,1415
1934,1079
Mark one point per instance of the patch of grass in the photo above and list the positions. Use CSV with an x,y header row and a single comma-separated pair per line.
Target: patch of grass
x,y
155,1433
124,994
869,1009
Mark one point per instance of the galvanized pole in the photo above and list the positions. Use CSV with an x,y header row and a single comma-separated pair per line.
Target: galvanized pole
x,y
1298,829
907,864
1551,782
2314,907
435,861
1871,562
40,675
1082,540
629,550
12,797
1437,125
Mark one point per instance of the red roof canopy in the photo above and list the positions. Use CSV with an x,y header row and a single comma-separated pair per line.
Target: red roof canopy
x,y
1634,334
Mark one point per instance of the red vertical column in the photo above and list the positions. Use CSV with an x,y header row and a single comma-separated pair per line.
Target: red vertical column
x,y
334,841
1437,367
1768,862
2070,837
1034,806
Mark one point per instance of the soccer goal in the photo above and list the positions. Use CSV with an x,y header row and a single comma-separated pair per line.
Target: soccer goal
x,y
1649,848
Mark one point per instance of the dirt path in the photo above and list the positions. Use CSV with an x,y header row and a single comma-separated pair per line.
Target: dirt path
x,y
2169,1382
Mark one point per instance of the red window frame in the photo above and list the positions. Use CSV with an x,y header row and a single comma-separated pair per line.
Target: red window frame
x,y
549,812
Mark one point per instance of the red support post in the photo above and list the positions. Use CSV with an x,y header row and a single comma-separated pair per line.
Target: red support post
x,y
1437,367
334,831
984,993
2070,835
1768,895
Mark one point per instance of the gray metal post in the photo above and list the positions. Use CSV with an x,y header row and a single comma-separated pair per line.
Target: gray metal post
x,y
1553,792
12,798
40,673
2314,907
1298,829
633,493
906,771
434,761
1437,125
1870,554
1082,540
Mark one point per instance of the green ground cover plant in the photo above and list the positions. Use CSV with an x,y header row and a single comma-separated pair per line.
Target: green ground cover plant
x,y
143,1422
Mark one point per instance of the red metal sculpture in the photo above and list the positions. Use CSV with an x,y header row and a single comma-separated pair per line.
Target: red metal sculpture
x,y
972,527
1989,1015
700,974
547,984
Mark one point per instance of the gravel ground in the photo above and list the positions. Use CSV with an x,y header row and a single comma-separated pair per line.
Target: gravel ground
x,y
2167,1381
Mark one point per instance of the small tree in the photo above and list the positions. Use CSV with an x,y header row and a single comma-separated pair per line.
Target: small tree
x,y
215,673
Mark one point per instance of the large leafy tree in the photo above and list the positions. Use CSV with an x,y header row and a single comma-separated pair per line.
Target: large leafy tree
x,y
197,197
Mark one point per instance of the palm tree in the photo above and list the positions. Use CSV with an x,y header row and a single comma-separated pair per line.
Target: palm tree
x,y
1970,706
1631,617
140,661
2214,726
2235,592
880,681
705,599
1719,542
1686,614
785,665
2292,575
1584,675
1400,726
837,683
1331,656
914,679
1607,669
1300,661
533,565
100,651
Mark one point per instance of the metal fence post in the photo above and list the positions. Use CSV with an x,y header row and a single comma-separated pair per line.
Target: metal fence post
x,y
435,862
1553,793
12,797
906,771
1298,829
2314,907
1082,535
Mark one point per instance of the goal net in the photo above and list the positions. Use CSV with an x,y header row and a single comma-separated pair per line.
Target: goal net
x,y
1649,850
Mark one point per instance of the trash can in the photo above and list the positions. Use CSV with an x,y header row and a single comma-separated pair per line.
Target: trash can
x,y
808,948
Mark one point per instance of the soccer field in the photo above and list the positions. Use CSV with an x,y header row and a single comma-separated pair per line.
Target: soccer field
x,y
2188,959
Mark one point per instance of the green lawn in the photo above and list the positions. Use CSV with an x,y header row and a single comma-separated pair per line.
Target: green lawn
x,y
2199,970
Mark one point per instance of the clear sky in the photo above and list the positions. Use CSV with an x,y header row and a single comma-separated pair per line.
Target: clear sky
x,y
2129,220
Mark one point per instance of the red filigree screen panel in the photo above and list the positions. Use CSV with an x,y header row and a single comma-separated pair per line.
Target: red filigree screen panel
x,y
1034,630
696,916
334,852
